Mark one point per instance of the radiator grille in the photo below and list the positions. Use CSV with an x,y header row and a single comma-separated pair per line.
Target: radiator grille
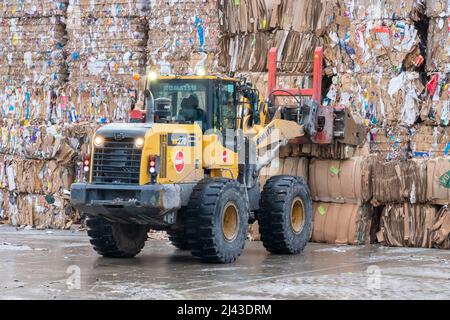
x,y
117,162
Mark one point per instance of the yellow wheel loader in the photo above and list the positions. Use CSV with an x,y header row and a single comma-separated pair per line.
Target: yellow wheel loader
x,y
192,166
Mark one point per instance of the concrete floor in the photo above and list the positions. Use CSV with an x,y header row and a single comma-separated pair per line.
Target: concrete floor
x,y
62,265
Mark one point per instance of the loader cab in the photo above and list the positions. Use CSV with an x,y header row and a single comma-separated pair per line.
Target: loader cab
x,y
210,102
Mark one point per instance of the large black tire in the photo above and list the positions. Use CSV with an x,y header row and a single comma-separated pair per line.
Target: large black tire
x,y
285,218
116,240
177,234
217,221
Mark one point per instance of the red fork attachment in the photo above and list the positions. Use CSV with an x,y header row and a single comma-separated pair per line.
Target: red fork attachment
x,y
323,115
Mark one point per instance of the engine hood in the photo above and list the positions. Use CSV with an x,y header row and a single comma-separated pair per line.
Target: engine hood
x,y
124,130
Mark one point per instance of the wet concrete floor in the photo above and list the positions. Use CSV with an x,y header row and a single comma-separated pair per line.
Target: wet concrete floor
x,y
62,265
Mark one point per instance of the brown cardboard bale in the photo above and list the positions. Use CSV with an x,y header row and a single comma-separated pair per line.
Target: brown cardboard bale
x,y
438,8
438,50
371,47
336,223
249,52
436,109
391,143
399,181
420,226
441,229
428,141
383,99
245,16
11,208
4,204
341,181
297,167
364,10
438,181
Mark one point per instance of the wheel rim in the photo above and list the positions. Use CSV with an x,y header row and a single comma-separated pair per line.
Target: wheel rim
x,y
297,215
230,222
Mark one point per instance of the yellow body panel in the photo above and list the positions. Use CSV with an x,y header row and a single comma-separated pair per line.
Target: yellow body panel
x,y
184,140
221,161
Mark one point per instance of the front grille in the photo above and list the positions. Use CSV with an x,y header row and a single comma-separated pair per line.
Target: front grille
x,y
117,162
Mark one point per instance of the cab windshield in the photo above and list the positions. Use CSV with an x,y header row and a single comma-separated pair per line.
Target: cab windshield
x,y
180,101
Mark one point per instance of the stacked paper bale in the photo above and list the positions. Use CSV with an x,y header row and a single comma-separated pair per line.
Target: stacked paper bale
x,y
423,222
341,190
106,54
251,28
433,140
33,38
32,71
374,49
38,165
183,36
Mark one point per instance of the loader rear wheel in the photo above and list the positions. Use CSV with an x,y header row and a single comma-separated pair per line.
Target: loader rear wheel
x,y
217,221
285,218
116,240
177,234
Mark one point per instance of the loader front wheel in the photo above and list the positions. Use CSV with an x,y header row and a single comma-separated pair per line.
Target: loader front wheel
x,y
116,240
177,234
217,221
285,218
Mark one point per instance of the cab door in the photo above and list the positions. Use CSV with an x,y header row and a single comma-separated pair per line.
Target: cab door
x,y
220,143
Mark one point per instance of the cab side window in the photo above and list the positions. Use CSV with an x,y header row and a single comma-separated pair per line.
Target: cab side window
x,y
225,109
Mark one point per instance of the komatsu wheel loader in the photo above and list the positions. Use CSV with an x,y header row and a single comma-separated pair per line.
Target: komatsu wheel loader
x,y
192,167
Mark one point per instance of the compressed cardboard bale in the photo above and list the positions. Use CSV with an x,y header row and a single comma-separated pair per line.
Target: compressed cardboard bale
x,y
32,8
297,167
249,52
245,16
438,181
42,211
392,143
105,49
429,142
372,46
302,16
183,36
380,98
420,226
380,9
33,106
11,208
341,181
4,200
441,229
438,49
436,108
438,8
337,223
399,181
33,51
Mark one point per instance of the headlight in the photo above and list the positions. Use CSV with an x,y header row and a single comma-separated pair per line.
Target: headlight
x,y
153,76
139,143
99,141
